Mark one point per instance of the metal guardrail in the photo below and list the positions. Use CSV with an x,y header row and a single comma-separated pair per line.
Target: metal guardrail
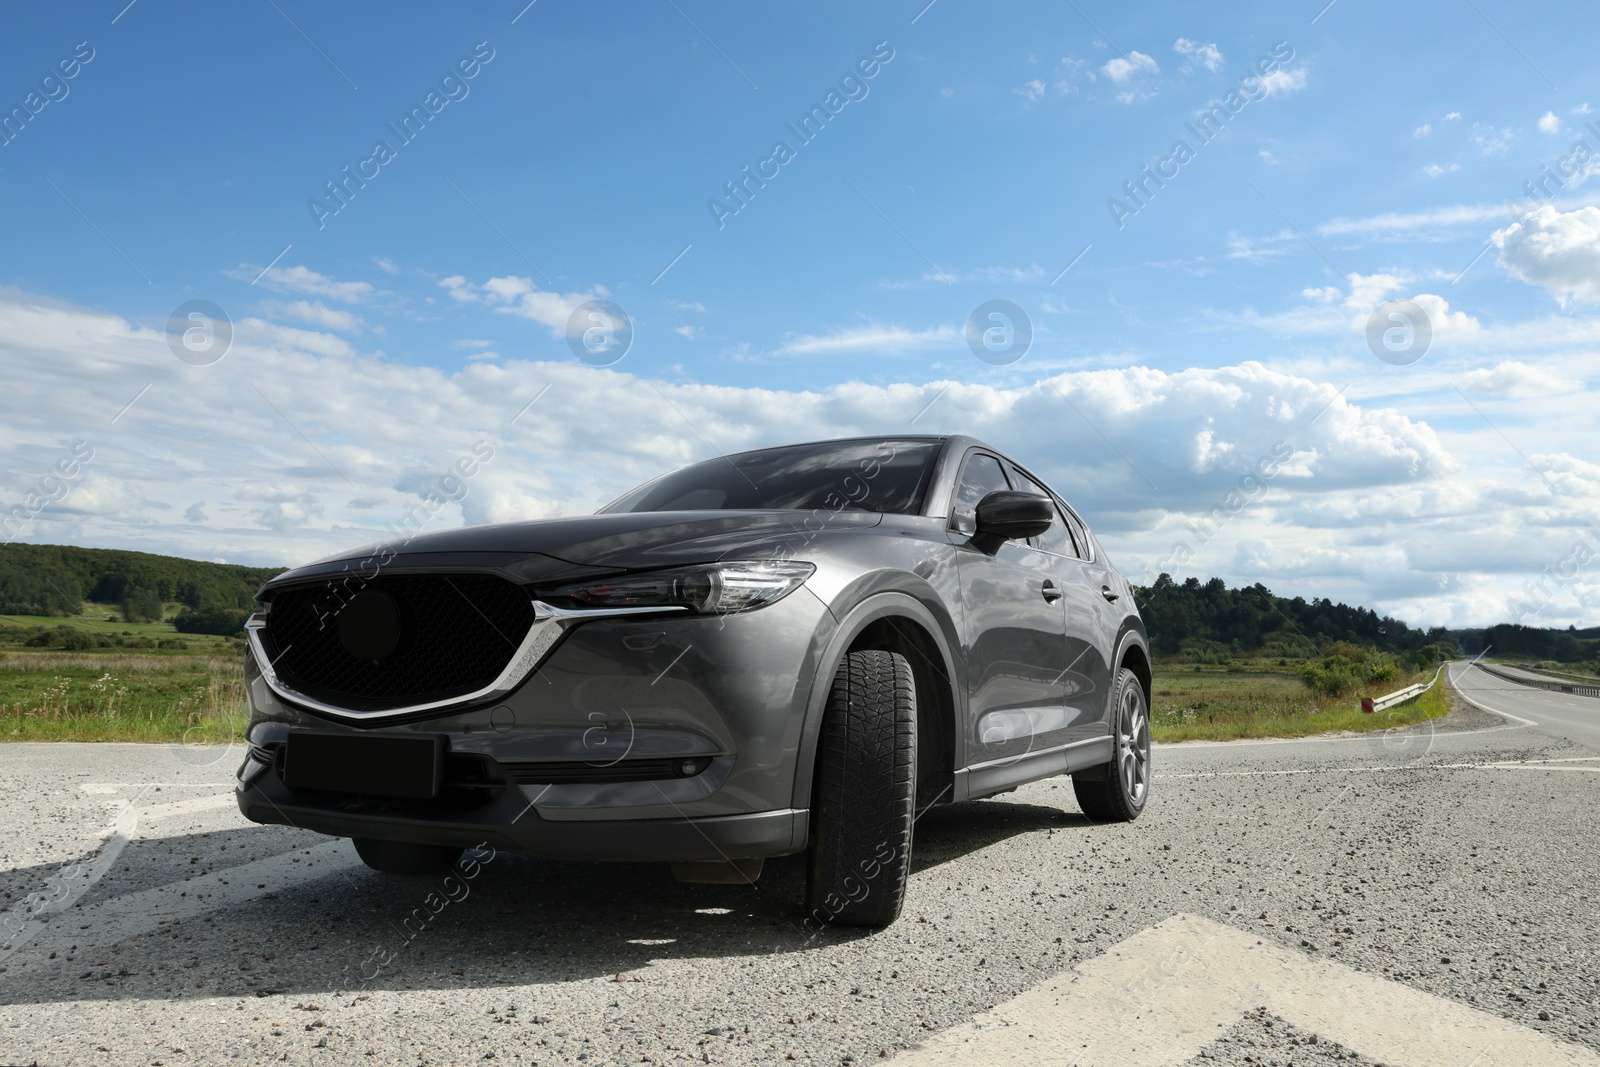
x,y
1532,683
1400,696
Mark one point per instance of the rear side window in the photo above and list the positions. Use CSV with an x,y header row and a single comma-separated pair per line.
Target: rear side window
x,y
1058,538
1079,532
981,475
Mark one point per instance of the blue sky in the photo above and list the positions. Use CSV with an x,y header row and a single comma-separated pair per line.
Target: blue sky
x,y
1371,155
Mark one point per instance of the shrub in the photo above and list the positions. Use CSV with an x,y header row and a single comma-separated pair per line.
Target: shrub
x,y
67,637
221,621
1337,674
1347,651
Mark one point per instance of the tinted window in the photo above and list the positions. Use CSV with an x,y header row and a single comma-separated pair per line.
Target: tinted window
x,y
1058,538
1079,533
980,475
887,476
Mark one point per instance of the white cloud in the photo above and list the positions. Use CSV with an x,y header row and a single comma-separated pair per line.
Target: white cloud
x,y
1434,170
1283,80
1267,157
1205,55
1558,250
693,306
386,265
881,339
317,314
275,336
1454,116
1490,141
1549,122
1068,71
688,332
1422,131
1456,324
1325,295
1358,474
471,342
1031,91
1514,379
1368,290
304,280
1408,223
1257,249
520,296
1121,70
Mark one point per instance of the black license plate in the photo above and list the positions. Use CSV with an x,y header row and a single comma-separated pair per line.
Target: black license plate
x,y
380,766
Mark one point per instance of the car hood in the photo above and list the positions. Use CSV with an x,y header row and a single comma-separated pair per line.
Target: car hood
x,y
561,549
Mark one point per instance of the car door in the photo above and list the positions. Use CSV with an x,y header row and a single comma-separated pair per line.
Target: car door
x,y
1091,630
1013,631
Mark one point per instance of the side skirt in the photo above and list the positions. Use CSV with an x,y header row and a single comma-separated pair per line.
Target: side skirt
x,y
998,776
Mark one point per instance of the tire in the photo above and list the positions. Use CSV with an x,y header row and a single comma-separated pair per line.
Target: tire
x,y
864,794
1118,791
405,857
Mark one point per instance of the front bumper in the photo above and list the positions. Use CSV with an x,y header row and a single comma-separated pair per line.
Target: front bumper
x,y
511,822
729,692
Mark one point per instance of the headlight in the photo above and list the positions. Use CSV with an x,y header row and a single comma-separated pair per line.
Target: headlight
x,y
716,588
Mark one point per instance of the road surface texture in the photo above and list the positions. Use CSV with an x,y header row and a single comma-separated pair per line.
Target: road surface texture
x,y
1422,897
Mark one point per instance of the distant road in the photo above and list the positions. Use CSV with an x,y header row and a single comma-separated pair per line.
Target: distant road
x,y
1575,718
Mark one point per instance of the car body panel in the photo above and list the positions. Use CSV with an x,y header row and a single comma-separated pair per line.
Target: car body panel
x,y
743,693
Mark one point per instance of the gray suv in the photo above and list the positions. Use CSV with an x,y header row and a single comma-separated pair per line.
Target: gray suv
x,y
790,650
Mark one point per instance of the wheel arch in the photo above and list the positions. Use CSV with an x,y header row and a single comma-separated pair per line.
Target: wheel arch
x,y
895,622
1133,652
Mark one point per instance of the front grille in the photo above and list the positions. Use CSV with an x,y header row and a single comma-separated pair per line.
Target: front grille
x,y
564,772
453,634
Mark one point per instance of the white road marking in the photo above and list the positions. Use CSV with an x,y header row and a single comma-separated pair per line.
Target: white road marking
x,y
1164,994
135,913
1485,707
1498,765
22,922
1539,767
1328,739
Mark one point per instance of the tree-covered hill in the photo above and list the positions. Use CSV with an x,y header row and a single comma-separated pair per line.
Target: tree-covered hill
x,y
56,579
1208,622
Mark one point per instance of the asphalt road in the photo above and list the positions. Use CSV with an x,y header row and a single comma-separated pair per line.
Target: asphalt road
x,y
1342,900
1571,717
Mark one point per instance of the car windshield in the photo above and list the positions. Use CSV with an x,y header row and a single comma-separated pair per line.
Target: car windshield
x,y
878,475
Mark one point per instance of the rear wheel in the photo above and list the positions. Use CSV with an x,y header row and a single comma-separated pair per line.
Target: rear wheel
x,y
1117,791
864,794
405,857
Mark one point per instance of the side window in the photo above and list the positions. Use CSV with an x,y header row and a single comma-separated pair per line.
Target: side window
x,y
1079,534
980,475
1058,538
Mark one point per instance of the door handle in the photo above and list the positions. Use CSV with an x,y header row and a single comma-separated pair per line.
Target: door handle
x,y
1051,593
1105,591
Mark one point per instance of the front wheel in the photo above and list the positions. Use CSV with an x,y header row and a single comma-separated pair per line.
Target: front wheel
x,y
1117,791
864,794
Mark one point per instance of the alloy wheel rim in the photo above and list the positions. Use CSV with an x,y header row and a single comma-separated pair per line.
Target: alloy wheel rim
x,y
1133,744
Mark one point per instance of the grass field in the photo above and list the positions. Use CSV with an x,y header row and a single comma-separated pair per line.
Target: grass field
x,y
197,697
93,620
119,696
1220,705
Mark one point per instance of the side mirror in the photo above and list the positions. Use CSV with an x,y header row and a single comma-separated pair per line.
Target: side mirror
x,y
1008,515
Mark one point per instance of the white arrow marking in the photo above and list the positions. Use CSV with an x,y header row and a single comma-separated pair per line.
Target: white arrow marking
x,y
26,919
1161,996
